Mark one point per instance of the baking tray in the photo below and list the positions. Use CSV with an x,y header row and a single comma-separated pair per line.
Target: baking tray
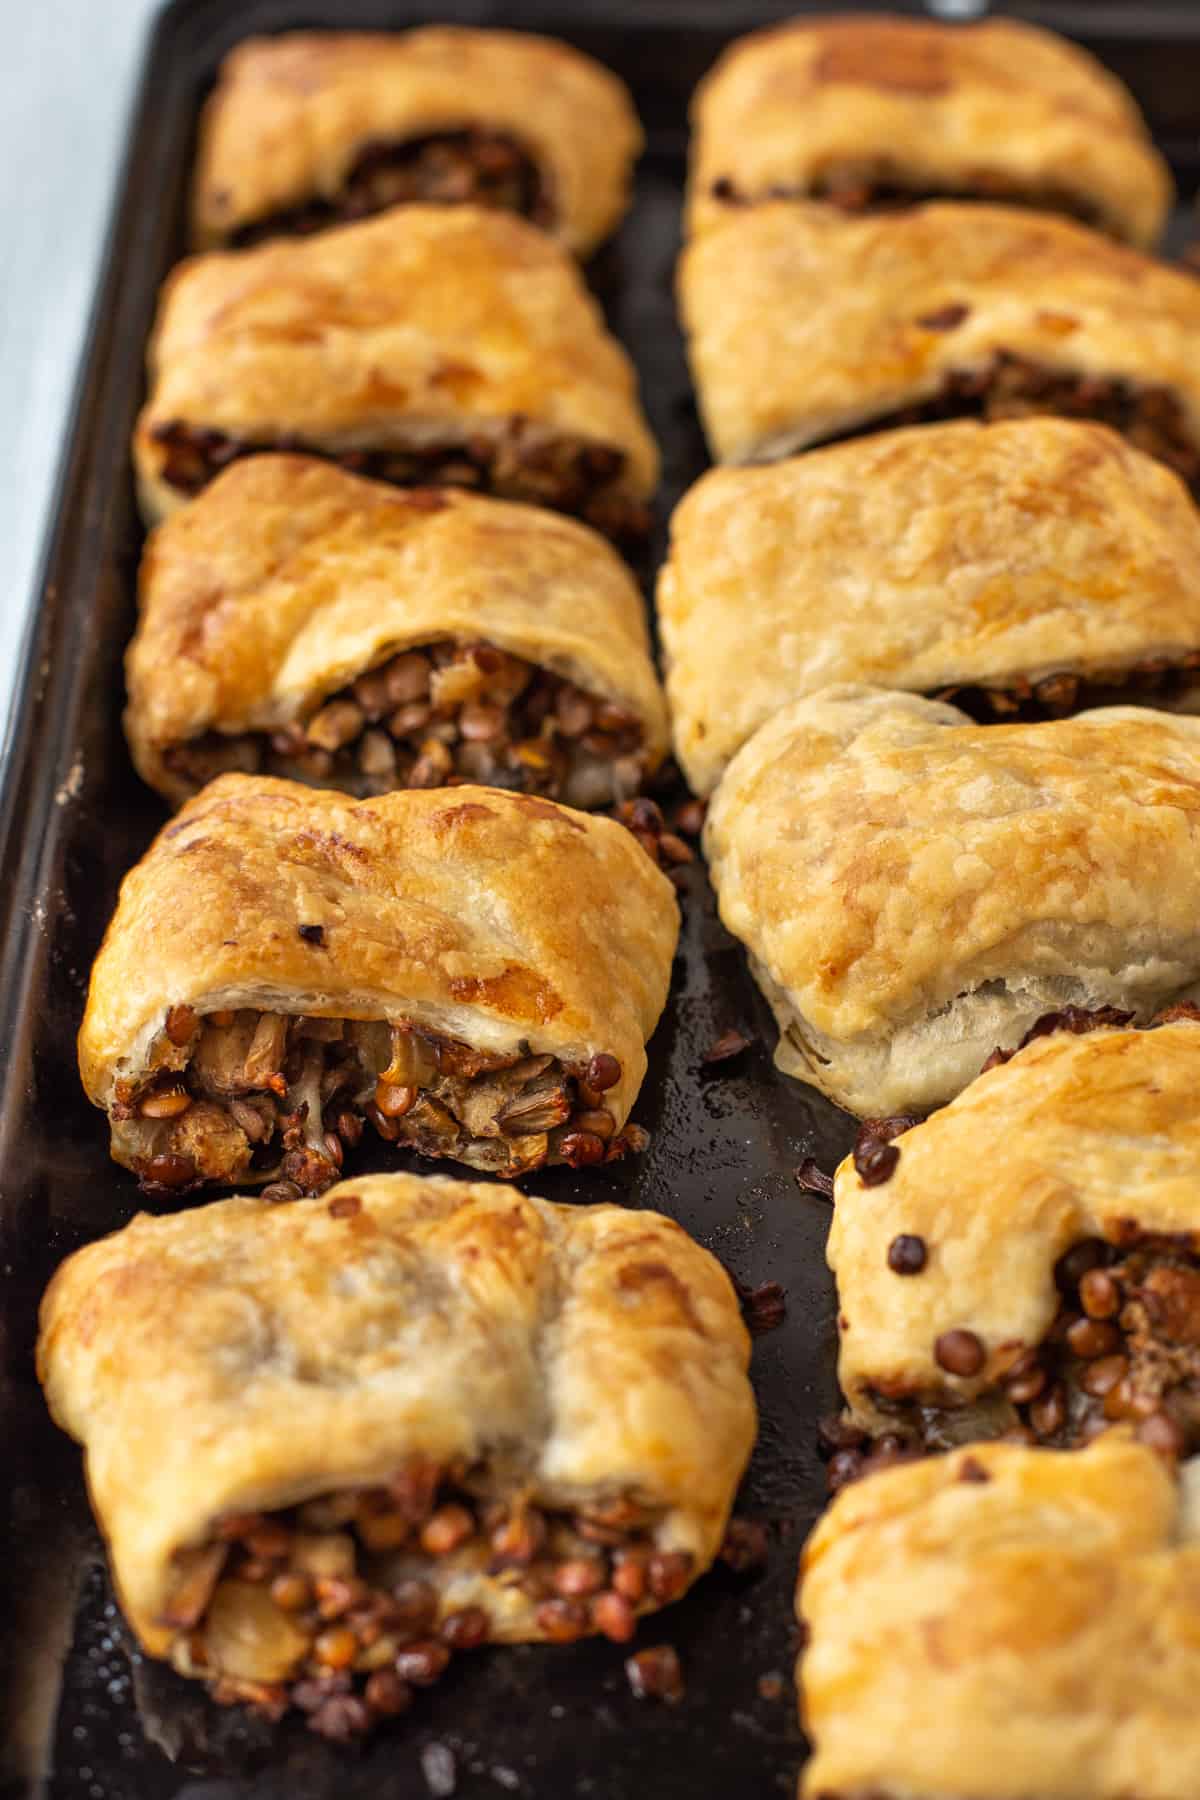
x,y
82,1717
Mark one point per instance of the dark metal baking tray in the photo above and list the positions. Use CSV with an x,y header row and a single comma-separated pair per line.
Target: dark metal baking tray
x,y
81,1716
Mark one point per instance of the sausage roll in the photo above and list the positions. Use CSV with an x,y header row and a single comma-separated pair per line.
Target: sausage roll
x,y
312,129
331,1443
302,621
1028,1257
874,113
431,344
1005,1622
476,973
805,326
916,890
1022,569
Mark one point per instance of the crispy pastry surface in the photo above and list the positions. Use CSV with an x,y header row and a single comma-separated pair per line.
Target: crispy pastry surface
x,y
290,114
1002,1622
950,107
1076,1137
497,918
424,324
804,324
242,1357
920,559
914,889
287,577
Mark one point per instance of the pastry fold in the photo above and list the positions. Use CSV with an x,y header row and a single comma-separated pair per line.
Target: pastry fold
x,y
805,325
1003,1622
475,972
872,113
1031,1259
429,344
304,622
414,1402
311,129
915,890
1022,569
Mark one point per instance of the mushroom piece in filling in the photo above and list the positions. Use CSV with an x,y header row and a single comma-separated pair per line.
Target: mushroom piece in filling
x,y
569,474
1014,387
448,712
342,1605
475,167
1123,1346
246,1095
878,184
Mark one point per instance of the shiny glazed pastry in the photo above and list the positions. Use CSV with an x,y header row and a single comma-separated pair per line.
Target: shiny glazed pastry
x,y
1005,1621
311,129
806,325
473,972
431,344
871,113
330,1443
915,890
1027,1257
304,622
1022,570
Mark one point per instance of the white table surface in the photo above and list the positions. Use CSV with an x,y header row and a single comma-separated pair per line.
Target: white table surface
x,y
66,85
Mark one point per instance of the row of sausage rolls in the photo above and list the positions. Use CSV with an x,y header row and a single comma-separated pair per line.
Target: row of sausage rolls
x,y
930,627
332,1442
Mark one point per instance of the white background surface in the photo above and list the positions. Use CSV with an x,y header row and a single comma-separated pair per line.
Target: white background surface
x,y
67,76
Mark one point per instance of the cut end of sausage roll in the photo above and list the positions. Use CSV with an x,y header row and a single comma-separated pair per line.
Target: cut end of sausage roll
x,y
299,621
330,1445
474,974
1026,1262
430,346
958,882
1004,1621
870,114
312,129
1022,570
806,326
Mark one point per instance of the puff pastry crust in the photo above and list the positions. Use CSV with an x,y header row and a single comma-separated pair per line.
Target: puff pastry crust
x,y
288,578
513,927
425,327
992,109
914,889
804,324
942,556
1078,1140
240,1359
291,115
1005,1622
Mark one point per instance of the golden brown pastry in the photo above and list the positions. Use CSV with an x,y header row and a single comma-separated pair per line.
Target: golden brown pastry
x,y
915,890
1005,1622
806,325
331,1442
304,622
310,129
431,344
870,112
474,972
1021,569
1027,1257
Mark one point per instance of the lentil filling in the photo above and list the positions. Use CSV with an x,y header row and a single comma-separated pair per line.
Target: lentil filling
x,y
450,168
1156,681
878,184
341,1606
568,474
236,1096
1015,387
1123,1346
437,716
